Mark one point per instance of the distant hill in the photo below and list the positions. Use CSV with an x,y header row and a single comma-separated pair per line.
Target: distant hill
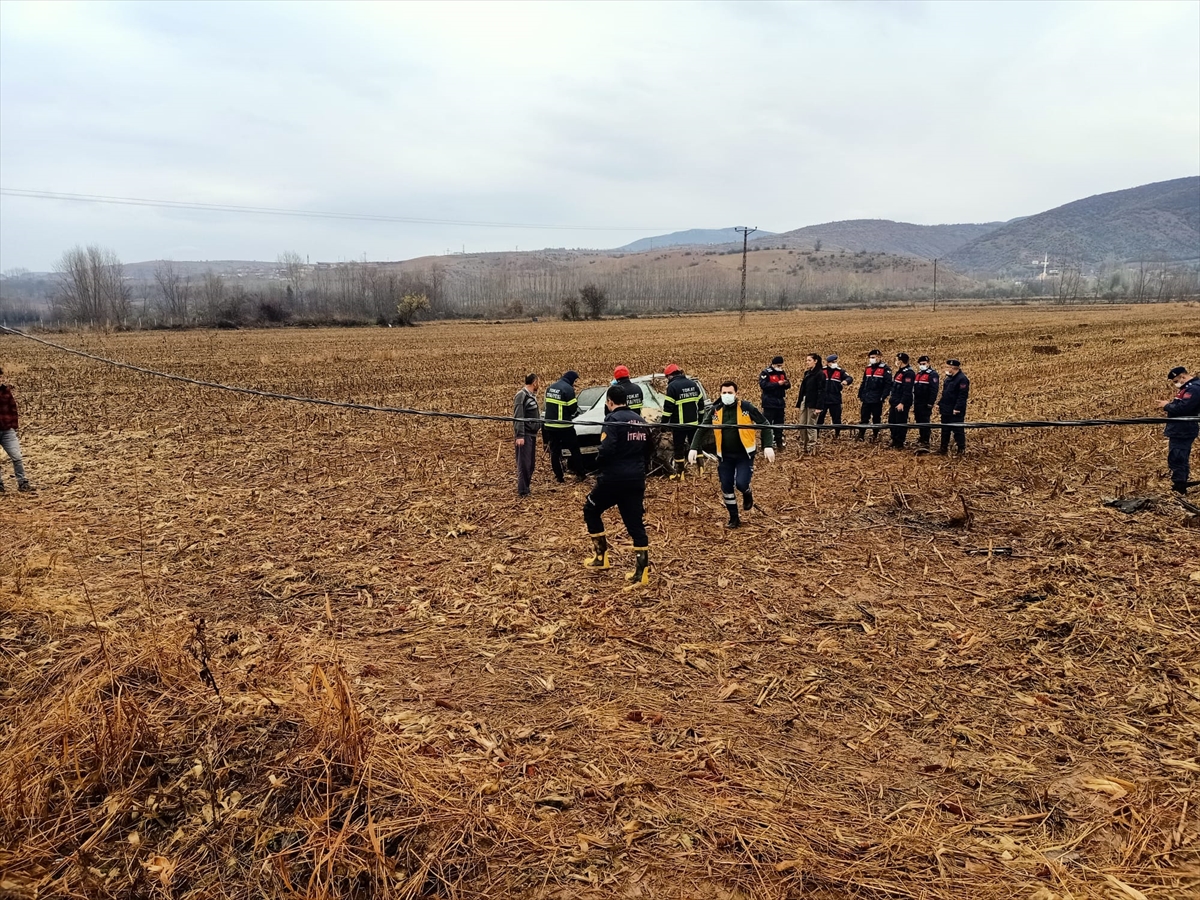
x,y
231,267
693,237
1159,222
885,236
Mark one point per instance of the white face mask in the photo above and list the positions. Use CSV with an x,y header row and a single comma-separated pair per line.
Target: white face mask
x,y
923,367
728,398
873,361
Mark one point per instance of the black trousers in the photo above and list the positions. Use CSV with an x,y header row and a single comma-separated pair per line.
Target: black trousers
x,y
682,439
1179,456
960,434
776,416
872,413
558,440
896,418
921,413
835,414
629,499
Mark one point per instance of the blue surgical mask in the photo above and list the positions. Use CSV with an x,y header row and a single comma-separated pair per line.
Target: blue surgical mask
x,y
728,398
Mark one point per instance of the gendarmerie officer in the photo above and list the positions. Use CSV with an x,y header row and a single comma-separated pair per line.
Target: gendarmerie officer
x,y
875,388
952,408
925,395
836,378
682,408
620,482
561,409
900,400
632,391
1181,435
774,383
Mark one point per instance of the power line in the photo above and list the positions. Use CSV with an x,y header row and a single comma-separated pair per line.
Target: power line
x,y
301,213
483,417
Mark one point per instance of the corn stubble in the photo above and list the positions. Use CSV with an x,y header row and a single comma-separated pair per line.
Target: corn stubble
x,y
253,649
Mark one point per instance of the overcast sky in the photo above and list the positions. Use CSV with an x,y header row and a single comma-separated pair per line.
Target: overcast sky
x,y
638,117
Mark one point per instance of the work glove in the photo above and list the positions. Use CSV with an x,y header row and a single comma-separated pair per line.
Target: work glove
x,y
692,457
769,453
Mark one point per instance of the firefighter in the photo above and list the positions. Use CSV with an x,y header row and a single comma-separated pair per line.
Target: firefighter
x,y
835,379
774,383
953,406
901,400
925,391
620,482
681,408
561,408
876,385
1181,435
632,390
735,447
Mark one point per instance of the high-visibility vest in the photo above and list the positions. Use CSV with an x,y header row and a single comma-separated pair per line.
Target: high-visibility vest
x,y
559,413
749,436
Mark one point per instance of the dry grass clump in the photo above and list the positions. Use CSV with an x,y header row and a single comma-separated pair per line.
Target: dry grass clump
x,y
256,650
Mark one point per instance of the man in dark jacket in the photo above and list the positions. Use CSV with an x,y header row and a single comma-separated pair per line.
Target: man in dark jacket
x,y
1181,435
681,408
875,388
632,391
527,420
925,394
620,482
735,447
8,435
812,396
901,400
561,409
835,379
774,383
953,406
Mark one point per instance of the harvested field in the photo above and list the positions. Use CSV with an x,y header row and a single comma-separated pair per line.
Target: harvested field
x,y
257,649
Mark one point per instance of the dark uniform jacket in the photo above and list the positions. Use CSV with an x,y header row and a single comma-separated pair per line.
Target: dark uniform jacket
x,y
954,394
876,383
1186,403
683,402
774,384
622,455
835,379
561,405
8,409
925,388
902,387
633,394
812,388
528,418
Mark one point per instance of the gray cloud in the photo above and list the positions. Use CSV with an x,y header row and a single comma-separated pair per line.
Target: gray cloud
x,y
663,115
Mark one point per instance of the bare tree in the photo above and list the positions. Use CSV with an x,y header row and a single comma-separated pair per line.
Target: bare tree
x,y
213,293
92,286
174,292
594,300
292,266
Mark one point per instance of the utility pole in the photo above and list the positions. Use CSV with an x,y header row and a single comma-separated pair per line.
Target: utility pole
x,y
745,233
935,284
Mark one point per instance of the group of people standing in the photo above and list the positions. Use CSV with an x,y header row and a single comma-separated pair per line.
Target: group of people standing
x,y
907,392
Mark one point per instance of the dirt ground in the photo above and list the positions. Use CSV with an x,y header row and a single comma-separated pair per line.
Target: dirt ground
x,y
258,649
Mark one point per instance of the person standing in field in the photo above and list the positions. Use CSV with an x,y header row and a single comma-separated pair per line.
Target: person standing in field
x,y
561,408
901,400
527,420
810,401
925,391
735,447
774,384
876,386
682,409
8,435
1180,435
836,378
632,391
953,407
620,482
